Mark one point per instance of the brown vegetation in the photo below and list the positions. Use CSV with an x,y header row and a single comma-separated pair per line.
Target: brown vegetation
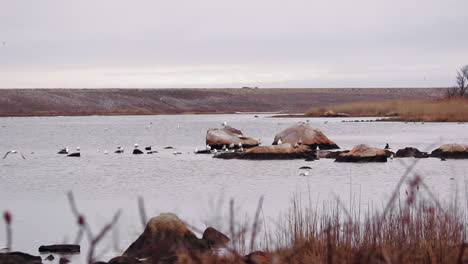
x,y
446,110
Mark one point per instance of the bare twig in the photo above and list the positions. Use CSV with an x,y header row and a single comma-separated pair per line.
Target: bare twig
x,y
102,233
141,209
255,224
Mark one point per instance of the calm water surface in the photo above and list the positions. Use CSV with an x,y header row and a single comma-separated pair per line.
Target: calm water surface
x,y
196,187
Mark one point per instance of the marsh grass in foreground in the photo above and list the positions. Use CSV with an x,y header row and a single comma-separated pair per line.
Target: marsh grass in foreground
x,y
444,110
412,228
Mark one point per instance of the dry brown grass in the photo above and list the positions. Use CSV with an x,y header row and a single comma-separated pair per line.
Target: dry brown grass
x,y
447,110
410,229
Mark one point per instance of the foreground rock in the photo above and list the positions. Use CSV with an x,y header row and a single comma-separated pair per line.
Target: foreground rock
x,y
283,151
451,151
19,258
60,248
304,134
163,238
215,238
363,153
410,152
217,138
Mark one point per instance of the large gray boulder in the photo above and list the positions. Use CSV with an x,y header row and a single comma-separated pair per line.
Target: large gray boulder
x,y
304,134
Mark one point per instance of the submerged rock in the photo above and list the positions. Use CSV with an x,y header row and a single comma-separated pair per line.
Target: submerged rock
x,y
304,134
217,138
283,151
164,237
363,153
410,152
451,151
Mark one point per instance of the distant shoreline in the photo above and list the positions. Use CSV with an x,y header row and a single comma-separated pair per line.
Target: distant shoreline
x,y
88,102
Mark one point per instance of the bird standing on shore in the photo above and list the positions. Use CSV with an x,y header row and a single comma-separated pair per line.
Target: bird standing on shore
x,y
13,152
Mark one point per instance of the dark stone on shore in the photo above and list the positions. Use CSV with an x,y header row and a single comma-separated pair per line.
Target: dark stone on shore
x,y
60,248
256,257
363,153
148,148
277,152
19,258
215,238
50,257
451,151
137,151
169,147
303,133
410,152
305,168
64,261
76,154
62,151
164,237
151,152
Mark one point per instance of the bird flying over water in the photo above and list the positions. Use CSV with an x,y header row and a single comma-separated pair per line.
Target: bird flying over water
x,y
13,152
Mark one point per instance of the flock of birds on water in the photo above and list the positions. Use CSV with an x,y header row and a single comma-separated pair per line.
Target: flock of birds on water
x,y
137,150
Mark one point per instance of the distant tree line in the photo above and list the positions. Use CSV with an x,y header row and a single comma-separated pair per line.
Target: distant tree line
x,y
461,89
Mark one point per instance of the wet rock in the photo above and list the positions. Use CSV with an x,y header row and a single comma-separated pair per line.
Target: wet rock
x,y
304,134
19,258
137,151
169,147
60,248
410,152
152,152
305,168
363,153
451,151
164,237
217,138
50,257
76,154
215,238
257,257
148,148
283,151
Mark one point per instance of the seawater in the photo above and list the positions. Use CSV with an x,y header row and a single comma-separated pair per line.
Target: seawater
x,y
195,187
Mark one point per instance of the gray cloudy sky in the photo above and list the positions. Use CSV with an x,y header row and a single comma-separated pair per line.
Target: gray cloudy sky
x,y
216,43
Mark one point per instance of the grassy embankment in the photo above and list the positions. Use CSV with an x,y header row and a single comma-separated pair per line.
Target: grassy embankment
x,y
446,110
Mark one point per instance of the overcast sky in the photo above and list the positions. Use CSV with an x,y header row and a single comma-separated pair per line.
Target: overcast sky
x,y
216,43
